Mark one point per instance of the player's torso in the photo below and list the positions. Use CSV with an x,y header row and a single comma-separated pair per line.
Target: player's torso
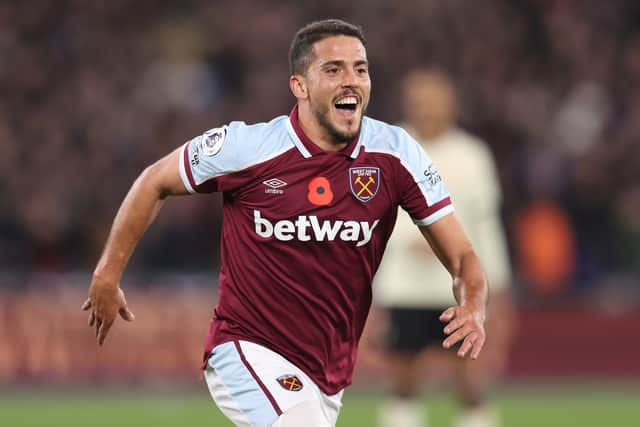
x,y
302,239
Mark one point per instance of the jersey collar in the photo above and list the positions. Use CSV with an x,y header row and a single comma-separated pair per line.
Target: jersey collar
x,y
308,148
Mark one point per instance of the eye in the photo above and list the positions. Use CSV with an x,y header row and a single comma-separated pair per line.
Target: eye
x,y
332,70
363,71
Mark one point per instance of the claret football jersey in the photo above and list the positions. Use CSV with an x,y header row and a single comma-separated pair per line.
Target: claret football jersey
x,y
304,231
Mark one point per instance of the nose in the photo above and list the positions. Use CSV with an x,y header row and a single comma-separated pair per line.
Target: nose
x,y
350,78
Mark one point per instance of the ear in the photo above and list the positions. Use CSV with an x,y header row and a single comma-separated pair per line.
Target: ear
x,y
298,86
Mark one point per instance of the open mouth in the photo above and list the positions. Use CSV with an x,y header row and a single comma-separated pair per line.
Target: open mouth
x,y
347,103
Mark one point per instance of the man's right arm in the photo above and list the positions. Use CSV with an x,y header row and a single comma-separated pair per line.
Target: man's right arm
x,y
138,210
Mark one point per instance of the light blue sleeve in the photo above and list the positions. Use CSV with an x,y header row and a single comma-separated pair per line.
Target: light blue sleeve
x,y
231,148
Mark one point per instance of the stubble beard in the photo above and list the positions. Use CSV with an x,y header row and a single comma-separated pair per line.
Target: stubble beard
x,y
321,112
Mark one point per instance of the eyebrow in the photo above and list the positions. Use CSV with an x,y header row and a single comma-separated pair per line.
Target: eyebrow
x,y
341,62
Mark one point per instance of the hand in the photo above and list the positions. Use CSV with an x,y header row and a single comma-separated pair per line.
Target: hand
x,y
104,302
464,323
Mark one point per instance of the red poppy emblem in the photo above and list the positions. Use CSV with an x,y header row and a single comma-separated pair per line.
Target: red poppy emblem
x,y
290,382
320,193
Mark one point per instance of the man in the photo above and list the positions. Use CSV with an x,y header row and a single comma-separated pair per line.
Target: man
x,y
309,203
413,286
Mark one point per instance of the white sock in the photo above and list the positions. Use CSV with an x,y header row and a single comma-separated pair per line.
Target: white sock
x,y
481,416
397,412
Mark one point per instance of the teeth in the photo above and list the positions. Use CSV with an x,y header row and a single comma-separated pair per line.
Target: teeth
x,y
348,100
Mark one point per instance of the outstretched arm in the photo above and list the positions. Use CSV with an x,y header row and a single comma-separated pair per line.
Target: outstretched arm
x,y
138,210
465,322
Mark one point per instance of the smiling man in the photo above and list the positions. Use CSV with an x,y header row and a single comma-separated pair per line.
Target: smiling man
x,y
310,200
332,84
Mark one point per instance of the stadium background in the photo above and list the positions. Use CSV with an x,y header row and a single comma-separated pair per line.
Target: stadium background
x,y
94,91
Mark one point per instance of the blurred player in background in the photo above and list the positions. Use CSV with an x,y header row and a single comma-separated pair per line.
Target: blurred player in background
x,y
310,200
413,286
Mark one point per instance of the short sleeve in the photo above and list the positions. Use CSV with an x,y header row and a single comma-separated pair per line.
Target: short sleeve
x,y
231,148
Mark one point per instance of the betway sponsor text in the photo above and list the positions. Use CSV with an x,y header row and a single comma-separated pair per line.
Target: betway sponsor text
x,y
306,228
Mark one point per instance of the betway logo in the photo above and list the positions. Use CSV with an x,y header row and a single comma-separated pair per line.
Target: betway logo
x,y
309,227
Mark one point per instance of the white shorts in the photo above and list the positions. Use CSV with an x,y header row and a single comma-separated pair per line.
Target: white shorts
x,y
253,386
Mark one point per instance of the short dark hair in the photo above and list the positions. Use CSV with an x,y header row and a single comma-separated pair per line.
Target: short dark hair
x,y
301,50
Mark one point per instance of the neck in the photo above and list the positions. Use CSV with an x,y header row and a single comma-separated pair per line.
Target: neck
x,y
316,132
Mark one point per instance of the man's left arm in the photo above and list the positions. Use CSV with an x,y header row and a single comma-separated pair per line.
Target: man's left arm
x,y
464,322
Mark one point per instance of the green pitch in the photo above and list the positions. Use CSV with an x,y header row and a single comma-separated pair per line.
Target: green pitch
x,y
520,407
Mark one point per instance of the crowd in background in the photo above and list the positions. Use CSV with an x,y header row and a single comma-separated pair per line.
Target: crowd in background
x,y
92,92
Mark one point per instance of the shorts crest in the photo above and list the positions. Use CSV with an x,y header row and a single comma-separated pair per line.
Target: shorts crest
x,y
290,382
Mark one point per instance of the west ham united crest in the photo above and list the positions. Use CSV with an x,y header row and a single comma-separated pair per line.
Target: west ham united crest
x,y
290,382
364,182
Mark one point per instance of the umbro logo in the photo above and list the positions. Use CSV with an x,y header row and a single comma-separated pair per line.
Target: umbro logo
x,y
274,185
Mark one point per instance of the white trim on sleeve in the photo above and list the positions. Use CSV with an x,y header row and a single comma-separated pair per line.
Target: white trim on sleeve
x,y
439,214
184,156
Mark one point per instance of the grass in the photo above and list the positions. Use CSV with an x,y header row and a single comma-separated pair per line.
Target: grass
x,y
549,406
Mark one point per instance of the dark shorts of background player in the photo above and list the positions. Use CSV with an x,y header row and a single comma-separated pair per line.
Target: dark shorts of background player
x,y
411,330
